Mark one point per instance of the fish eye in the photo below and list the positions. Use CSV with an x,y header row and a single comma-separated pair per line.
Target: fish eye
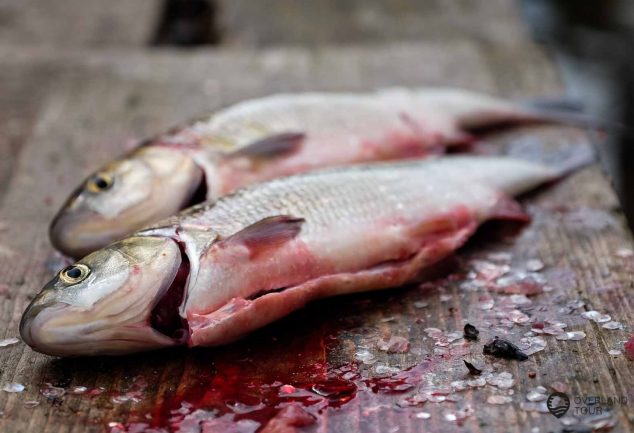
x,y
99,182
74,274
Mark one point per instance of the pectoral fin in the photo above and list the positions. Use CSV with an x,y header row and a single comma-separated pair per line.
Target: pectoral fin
x,y
509,209
267,233
272,146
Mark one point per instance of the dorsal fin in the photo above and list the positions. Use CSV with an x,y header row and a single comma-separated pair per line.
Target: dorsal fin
x,y
272,146
267,233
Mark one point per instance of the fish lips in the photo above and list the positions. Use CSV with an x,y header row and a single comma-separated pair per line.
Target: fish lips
x,y
33,324
78,234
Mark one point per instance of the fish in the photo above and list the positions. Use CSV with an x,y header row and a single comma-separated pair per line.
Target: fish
x,y
262,139
220,270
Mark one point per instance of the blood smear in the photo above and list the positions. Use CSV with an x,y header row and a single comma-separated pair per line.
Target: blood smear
x,y
629,347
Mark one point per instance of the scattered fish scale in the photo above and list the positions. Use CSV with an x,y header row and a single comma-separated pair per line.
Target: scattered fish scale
x,y
78,390
596,316
596,423
571,306
9,341
516,316
534,265
559,386
572,336
539,393
459,416
613,325
531,345
52,392
530,406
624,253
486,304
13,387
394,344
499,399
365,356
502,380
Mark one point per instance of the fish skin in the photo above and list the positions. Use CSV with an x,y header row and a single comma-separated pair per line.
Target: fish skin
x,y
324,233
237,146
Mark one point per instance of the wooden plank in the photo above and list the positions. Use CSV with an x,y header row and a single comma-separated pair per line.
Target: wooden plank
x,y
86,116
18,113
304,22
71,23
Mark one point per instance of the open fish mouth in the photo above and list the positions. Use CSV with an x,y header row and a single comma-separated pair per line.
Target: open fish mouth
x,y
165,317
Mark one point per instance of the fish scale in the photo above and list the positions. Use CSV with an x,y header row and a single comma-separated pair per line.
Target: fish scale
x,y
350,194
247,121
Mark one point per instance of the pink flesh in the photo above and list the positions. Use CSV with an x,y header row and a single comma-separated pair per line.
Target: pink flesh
x,y
240,316
283,289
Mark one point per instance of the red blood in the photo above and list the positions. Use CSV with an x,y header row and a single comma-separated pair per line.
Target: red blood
x,y
337,391
288,419
400,382
629,347
287,389
237,390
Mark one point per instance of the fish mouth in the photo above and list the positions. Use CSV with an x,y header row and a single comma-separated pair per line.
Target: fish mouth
x,y
35,317
68,236
165,317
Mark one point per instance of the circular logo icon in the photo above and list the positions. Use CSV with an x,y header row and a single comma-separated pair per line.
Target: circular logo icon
x,y
558,404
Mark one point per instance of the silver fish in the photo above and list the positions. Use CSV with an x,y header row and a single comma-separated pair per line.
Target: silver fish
x,y
218,271
262,139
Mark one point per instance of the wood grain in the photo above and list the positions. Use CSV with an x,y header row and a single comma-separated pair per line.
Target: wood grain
x,y
72,23
293,22
86,105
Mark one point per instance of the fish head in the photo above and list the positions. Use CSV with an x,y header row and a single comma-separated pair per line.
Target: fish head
x,y
149,184
113,301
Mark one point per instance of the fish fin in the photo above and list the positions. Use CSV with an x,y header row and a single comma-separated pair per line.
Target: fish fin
x,y
267,233
561,104
509,209
272,146
570,111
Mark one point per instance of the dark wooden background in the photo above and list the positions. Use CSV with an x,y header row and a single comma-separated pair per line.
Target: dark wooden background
x,y
80,80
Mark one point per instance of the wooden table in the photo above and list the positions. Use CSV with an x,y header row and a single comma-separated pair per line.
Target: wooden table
x,y
65,111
